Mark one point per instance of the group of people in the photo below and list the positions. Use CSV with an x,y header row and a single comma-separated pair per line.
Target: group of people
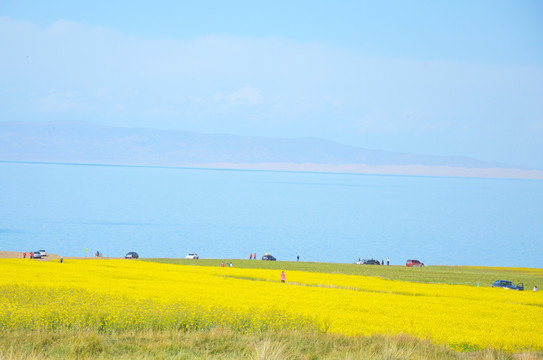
x,y
31,256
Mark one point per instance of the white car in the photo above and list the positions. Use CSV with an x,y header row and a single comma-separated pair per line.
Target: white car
x,y
192,256
43,252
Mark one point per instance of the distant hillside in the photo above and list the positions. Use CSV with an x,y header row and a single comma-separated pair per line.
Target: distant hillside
x,y
81,142
86,142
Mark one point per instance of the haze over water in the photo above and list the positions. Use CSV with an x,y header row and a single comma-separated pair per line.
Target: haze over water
x,y
76,210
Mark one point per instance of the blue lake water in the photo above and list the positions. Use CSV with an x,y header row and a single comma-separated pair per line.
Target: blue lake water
x,y
75,210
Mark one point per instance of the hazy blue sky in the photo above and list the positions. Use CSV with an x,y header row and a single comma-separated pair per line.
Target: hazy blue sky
x,y
433,77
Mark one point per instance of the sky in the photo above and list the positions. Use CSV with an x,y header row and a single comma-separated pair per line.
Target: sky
x,y
425,77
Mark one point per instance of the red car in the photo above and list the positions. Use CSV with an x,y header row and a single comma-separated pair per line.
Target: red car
x,y
412,263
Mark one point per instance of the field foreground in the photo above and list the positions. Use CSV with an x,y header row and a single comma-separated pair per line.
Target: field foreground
x,y
128,299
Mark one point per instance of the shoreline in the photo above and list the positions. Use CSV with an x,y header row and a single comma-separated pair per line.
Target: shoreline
x,y
19,255
353,169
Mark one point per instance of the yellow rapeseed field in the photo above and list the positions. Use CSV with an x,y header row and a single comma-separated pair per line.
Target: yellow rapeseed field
x,y
113,295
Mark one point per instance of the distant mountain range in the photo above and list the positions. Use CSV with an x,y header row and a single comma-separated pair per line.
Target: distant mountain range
x,y
83,142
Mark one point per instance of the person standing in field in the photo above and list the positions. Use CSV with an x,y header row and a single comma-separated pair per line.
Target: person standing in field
x,y
24,255
535,288
298,258
388,261
282,276
31,255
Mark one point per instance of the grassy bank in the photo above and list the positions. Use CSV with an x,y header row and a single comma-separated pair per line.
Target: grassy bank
x,y
451,275
222,343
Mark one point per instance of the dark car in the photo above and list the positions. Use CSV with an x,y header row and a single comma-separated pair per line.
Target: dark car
x,y
131,255
268,257
368,262
506,284
414,263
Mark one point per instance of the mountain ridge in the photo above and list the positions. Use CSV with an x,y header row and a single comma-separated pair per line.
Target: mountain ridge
x,y
86,142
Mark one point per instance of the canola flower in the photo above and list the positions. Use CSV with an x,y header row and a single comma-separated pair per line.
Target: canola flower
x,y
113,295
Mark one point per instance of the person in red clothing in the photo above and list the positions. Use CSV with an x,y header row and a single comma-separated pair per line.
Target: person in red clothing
x,y
282,276
31,255
24,255
250,256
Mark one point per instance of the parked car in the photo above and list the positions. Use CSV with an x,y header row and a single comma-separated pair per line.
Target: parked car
x,y
43,252
268,257
36,255
192,256
368,262
414,263
132,255
506,284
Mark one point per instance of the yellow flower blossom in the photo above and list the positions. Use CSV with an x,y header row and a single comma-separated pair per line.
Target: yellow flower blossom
x,y
113,295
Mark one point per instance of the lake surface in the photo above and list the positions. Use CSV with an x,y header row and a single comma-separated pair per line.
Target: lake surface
x,y
76,210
